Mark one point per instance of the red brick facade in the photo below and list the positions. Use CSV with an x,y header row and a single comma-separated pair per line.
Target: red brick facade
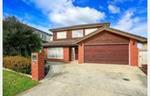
x,y
133,53
69,34
106,38
81,53
37,66
66,54
103,38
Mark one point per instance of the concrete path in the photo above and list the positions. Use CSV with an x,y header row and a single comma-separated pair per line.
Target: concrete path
x,y
91,80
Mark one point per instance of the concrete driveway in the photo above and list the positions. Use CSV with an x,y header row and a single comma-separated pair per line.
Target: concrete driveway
x,y
91,80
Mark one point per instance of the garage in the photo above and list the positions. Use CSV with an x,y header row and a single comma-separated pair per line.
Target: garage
x,y
109,46
108,54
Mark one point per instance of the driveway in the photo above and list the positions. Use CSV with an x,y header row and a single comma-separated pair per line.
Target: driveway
x,y
91,80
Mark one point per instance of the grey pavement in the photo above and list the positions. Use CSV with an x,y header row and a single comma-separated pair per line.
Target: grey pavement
x,y
91,80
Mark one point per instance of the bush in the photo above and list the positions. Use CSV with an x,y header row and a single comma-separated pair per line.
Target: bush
x,y
18,63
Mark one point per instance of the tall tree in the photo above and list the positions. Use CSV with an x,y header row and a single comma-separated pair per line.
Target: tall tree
x,y
18,38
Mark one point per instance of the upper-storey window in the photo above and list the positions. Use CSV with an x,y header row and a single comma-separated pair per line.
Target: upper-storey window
x,y
77,33
88,31
61,35
44,37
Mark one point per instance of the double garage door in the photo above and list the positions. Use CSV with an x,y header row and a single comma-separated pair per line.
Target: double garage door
x,y
106,54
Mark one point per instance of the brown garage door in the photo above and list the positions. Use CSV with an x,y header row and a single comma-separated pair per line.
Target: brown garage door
x,y
108,54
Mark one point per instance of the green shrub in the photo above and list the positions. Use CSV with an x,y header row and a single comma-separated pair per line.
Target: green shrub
x,y
18,63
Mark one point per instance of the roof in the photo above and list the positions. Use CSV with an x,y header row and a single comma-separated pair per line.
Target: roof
x,y
42,31
38,30
74,42
116,31
80,26
60,43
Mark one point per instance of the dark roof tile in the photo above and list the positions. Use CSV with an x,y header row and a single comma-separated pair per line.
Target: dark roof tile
x,y
60,43
80,26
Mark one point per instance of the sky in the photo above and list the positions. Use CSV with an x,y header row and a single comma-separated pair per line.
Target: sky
x,y
125,15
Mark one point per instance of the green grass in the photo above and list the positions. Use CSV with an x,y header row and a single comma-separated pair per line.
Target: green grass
x,y
14,83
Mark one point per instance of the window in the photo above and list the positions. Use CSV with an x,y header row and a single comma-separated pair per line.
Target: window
x,y
55,53
61,35
88,31
44,37
77,33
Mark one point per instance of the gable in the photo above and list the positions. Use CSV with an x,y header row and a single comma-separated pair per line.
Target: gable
x,y
106,37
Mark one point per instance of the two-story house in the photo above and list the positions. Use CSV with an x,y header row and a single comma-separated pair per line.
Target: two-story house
x,y
45,37
93,43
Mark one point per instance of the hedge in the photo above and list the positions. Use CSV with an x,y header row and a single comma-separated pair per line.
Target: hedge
x,y
18,63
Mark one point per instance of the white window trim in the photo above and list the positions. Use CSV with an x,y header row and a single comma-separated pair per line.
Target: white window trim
x,y
75,31
61,34
56,53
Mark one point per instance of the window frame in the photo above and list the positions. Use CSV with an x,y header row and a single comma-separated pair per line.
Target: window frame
x,y
44,37
57,53
74,32
61,37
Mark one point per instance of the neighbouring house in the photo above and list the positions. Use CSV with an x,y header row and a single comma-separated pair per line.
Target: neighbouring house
x,y
93,43
46,37
143,59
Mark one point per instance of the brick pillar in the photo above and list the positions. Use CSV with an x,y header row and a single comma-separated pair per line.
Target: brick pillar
x,y
66,54
81,53
46,52
133,53
37,65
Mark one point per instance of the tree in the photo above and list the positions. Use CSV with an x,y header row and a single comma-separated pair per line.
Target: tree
x,y
18,38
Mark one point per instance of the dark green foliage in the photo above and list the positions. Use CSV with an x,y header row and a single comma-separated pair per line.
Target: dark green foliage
x,y
18,38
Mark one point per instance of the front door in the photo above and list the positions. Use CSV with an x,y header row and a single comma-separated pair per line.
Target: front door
x,y
74,53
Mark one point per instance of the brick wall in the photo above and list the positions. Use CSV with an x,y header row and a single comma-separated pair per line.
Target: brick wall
x,y
81,53
37,66
66,54
133,53
106,38
69,33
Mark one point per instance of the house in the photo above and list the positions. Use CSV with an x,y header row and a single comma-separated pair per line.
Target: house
x,y
46,37
93,43
142,56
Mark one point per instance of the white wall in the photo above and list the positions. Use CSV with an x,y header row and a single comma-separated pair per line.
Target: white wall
x,y
142,58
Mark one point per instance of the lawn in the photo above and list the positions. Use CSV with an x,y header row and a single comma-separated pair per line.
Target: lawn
x,y
14,83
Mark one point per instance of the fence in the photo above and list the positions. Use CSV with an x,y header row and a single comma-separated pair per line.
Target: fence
x,y
142,58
